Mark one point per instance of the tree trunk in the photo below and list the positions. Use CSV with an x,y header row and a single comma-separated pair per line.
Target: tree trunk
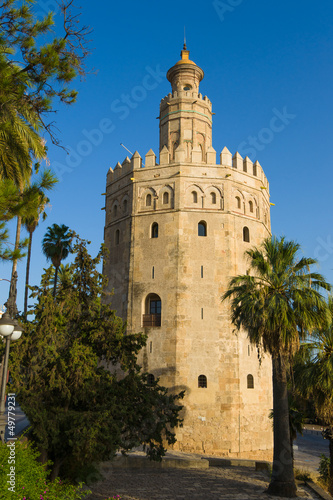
x,y
55,280
282,482
27,276
330,484
17,242
57,463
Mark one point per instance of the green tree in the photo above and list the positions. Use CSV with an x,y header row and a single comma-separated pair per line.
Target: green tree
x,y
39,66
277,303
56,246
20,143
30,221
63,372
14,203
314,376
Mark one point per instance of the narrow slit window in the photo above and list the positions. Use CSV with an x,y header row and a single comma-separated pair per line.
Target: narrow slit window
x,y
154,230
201,271
148,200
246,234
250,382
115,209
165,198
213,198
251,206
202,381
117,237
194,197
202,313
153,272
125,206
238,202
202,228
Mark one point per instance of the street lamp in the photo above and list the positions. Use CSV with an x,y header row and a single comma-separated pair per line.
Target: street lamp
x,y
11,330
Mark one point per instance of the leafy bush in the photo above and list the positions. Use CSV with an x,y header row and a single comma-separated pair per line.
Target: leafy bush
x,y
22,477
324,469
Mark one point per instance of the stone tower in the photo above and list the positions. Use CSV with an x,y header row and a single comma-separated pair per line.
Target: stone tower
x,y
177,231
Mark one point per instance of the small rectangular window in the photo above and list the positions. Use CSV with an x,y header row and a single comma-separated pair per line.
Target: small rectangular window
x,y
201,271
202,313
153,272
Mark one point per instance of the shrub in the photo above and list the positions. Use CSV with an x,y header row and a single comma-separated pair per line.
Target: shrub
x,y
324,469
22,477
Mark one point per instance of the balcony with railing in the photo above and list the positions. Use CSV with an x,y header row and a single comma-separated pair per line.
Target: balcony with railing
x,y
151,320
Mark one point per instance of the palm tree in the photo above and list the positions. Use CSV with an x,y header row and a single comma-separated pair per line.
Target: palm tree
x,y
276,304
19,126
30,221
313,372
56,246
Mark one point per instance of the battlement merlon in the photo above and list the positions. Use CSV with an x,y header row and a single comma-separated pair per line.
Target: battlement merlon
x,y
186,97
229,163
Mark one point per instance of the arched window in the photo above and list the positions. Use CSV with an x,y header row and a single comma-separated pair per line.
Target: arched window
x,y
202,228
194,197
238,202
213,198
117,237
150,379
250,382
154,230
148,200
165,198
153,311
115,209
246,234
251,206
173,150
125,206
202,381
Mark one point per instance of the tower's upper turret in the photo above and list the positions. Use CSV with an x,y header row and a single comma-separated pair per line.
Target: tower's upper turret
x,y
185,75
186,116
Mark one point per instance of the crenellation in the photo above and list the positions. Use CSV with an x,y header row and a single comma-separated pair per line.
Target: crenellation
x,y
164,156
126,166
226,157
150,159
211,155
109,176
237,161
180,154
136,161
248,165
117,171
196,154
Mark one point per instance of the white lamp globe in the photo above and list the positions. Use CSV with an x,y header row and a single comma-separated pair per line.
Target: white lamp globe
x,y
17,331
6,325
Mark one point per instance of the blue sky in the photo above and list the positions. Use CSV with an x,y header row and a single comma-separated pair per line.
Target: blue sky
x,y
261,59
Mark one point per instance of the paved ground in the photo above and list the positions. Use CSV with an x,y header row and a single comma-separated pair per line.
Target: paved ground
x,y
234,483
310,448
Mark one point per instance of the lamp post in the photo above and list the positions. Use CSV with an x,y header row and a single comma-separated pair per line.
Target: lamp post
x,y
11,330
